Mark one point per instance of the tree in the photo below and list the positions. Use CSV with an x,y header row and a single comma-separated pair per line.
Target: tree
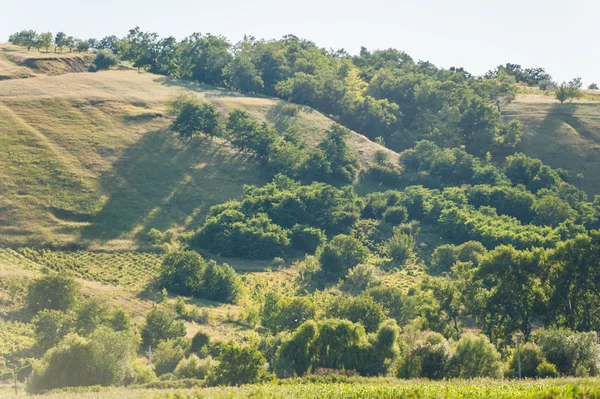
x,y
106,358
574,282
593,86
27,38
513,296
82,45
45,40
238,365
103,60
476,357
70,43
161,326
568,91
181,272
50,327
52,291
194,117
531,358
60,41
342,253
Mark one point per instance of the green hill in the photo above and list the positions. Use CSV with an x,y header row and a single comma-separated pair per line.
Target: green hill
x,y
91,159
562,136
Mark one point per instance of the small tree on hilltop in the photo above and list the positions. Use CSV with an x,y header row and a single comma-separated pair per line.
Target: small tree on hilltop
x,y
593,86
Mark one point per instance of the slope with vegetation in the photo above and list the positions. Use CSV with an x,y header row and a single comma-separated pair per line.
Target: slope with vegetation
x,y
347,257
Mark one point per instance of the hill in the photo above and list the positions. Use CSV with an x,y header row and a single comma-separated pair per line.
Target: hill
x,y
562,136
94,162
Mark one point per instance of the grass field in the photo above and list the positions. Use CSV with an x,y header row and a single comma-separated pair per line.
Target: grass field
x,y
375,388
563,136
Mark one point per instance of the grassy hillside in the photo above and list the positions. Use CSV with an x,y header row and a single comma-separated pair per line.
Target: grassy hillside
x,y
563,136
91,160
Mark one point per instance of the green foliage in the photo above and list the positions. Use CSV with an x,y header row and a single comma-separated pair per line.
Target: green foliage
x,y
307,239
238,365
546,370
531,359
103,60
106,358
400,307
200,341
281,313
400,248
342,253
193,117
476,357
445,256
52,291
362,309
50,327
337,344
429,356
194,367
181,272
160,326
220,283
167,356
569,351
90,315
395,215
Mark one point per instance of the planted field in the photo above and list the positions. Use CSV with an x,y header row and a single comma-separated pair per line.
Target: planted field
x,y
365,389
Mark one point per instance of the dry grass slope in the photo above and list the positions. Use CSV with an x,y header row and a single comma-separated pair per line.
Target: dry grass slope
x,y
91,160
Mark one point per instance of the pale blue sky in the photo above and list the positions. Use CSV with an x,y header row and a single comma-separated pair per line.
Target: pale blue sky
x,y
559,35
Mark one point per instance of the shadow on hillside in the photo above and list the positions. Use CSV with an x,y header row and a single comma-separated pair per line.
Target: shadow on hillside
x,y
207,90
160,182
566,114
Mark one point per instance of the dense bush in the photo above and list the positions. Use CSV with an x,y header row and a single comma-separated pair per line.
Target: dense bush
x,y
106,358
307,239
476,357
238,365
342,253
161,326
531,359
194,367
166,356
569,351
337,344
103,60
53,291
280,313
50,327
361,309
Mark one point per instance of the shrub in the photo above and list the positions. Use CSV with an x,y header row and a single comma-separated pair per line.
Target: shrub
x,y
568,350
428,357
531,358
307,239
343,252
400,247
476,357
546,370
359,278
119,320
161,326
238,365
280,313
362,309
50,326
395,214
89,315
220,283
382,157
200,341
106,358
167,356
53,291
104,59
194,367
181,272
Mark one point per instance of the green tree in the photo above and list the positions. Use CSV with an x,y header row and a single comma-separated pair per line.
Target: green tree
x,y
60,41
476,357
513,296
105,358
27,38
50,327
573,281
531,358
45,40
238,365
161,326
181,273
194,117
593,86
52,291
342,253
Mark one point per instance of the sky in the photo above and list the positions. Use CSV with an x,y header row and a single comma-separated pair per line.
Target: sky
x,y
560,36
